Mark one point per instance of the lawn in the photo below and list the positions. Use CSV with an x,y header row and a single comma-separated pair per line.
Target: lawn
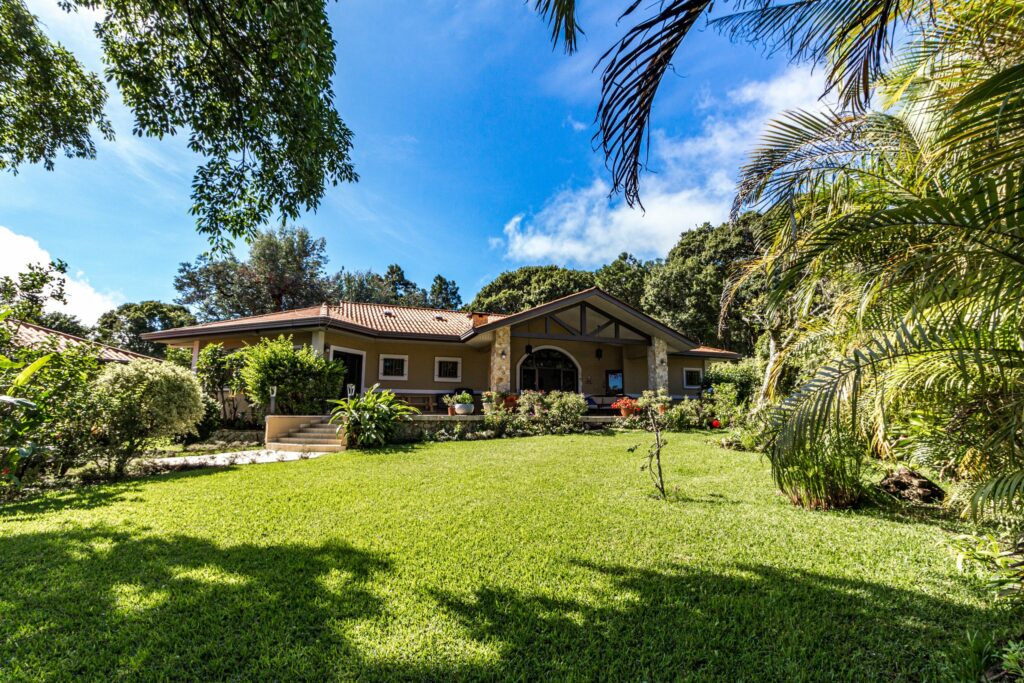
x,y
516,559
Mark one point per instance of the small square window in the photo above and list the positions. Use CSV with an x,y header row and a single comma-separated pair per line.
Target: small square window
x,y
394,367
693,378
447,369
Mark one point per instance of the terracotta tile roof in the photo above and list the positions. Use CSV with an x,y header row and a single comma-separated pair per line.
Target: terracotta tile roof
x,y
28,334
376,319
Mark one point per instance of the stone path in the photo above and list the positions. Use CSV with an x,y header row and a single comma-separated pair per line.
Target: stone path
x,y
254,457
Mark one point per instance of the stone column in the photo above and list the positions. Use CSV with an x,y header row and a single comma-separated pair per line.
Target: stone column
x,y
657,364
501,360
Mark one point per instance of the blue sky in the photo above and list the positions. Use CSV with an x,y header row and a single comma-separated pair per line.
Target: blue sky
x,y
472,140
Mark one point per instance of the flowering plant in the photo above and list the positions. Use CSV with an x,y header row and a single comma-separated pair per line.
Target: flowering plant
x,y
716,423
624,403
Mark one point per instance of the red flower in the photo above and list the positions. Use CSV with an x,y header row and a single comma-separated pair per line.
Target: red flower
x,y
7,470
715,424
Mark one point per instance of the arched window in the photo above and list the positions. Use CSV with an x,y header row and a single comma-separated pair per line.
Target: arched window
x,y
548,370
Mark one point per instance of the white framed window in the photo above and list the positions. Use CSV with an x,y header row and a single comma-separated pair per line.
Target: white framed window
x,y
447,369
393,367
693,378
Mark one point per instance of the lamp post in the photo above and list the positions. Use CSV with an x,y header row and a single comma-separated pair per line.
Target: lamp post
x,y
351,389
273,398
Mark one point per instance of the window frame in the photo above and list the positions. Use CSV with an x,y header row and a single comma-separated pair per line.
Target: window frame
x,y
392,356
700,382
453,359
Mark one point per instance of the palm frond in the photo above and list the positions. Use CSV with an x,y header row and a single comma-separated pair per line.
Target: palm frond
x,y
633,71
561,17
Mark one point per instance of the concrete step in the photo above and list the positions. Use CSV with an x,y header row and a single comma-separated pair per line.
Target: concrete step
x,y
303,448
316,430
311,440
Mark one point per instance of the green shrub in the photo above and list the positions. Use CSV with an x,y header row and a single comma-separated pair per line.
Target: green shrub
x,y
531,403
372,419
725,404
178,356
746,375
563,412
650,399
306,381
504,422
687,414
823,474
463,398
210,422
139,402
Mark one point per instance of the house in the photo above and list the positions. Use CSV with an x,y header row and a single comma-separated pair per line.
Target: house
x,y
37,336
588,342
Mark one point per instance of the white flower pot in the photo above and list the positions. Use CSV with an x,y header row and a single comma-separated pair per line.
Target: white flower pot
x,y
463,408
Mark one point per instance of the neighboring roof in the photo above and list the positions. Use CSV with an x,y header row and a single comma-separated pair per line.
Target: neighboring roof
x,y
411,322
378,320
28,334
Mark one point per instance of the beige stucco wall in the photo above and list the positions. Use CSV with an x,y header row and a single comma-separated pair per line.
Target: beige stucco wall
x,y
475,362
676,365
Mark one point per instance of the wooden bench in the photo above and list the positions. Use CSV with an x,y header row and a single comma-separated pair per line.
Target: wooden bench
x,y
425,402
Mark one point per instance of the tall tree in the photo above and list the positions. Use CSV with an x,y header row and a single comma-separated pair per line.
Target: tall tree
x,y
624,278
517,290
444,293
686,291
401,289
27,293
286,268
250,81
64,322
123,326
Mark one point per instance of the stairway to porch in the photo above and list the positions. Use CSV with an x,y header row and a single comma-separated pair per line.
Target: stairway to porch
x,y
315,436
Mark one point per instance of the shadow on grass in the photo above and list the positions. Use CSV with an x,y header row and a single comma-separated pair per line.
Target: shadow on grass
x,y
754,623
102,604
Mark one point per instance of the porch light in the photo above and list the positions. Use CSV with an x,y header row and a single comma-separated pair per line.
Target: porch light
x,y
504,354
599,353
351,390
529,349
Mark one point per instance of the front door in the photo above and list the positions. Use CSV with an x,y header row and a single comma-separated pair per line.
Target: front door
x,y
353,368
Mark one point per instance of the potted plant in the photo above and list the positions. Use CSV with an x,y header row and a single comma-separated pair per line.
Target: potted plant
x,y
449,400
625,405
463,403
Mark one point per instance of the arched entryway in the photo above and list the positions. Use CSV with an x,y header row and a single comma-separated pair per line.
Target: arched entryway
x,y
549,369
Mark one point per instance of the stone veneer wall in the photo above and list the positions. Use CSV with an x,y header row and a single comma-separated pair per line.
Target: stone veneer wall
x,y
501,368
657,364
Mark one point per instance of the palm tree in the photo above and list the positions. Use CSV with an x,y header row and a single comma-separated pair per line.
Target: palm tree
x,y
893,230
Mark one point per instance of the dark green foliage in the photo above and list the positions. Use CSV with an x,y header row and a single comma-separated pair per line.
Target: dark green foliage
x,y
286,268
49,102
64,322
517,290
686,291
444,293
207,425
625,278
178,356
220,374
123,326
371,420
305,380
744,375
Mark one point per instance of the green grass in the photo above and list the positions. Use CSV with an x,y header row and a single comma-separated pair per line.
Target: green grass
x,y
540,558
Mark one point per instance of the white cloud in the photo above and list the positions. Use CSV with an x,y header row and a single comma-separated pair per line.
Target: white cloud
x,y
84,300
577,126
692,180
